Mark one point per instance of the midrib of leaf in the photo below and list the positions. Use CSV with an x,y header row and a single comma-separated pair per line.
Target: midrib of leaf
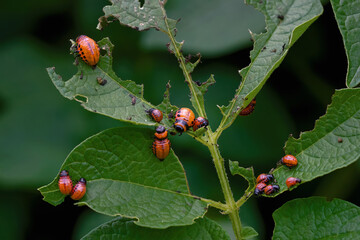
x,y
210,202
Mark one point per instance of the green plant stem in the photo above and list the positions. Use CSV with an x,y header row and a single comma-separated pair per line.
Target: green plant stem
x,y
233,211
210,140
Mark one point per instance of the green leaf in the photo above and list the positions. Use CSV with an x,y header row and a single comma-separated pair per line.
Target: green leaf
x,y
317,218
248,232
131,14
125,178
334,142
119,99
347,16
124,229
286,21
247,173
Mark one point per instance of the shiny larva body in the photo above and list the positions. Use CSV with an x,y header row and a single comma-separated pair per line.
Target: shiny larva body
x,y
270,189
79,190
65,183
88,49
264,178
249,108
259,189
161,148
156,114
289,161
184,119
291,181
200,122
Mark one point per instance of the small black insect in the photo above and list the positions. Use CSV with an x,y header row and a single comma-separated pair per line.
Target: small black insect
x,y
101,81
133,99
198,83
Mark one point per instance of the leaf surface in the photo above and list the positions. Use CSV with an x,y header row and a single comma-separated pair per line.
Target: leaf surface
x,y
131,14
334,142
248,233
119,99
125,178
347,14
286,21
317,218
203,229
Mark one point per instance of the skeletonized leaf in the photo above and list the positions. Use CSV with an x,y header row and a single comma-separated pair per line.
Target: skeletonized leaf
x,y
347,16
99,90
124,178
131,14
125,229
317,218
153,15
166,107
286,21
334,142
247,173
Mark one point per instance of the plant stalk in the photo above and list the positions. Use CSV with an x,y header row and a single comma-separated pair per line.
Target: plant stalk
x,y
233,211
230,204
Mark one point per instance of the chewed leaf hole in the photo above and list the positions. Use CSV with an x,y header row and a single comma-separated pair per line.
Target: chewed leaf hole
x,y
81,98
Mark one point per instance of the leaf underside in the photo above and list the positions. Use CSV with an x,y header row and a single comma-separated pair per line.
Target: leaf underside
x,y
124,229
334,142
118,99
317,218
347,14
286,21
124,178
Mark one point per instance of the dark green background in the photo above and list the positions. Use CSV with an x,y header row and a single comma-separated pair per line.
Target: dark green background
x,y
38,127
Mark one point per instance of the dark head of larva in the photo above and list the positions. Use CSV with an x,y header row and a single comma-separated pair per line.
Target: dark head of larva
x,y
179,128
160,129
161,132
82,180
64,173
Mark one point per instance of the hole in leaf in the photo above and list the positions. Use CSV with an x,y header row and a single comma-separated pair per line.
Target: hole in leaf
x,y
81,98
103,52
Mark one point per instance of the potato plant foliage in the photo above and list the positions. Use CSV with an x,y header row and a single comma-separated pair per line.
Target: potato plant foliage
x,y
152,198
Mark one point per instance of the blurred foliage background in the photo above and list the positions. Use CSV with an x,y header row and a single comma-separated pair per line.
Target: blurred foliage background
x,y
38,127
